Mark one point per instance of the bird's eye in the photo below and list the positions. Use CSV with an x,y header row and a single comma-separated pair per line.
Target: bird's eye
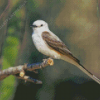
x,y
41,24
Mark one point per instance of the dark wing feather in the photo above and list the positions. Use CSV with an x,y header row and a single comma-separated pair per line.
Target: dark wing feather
x,y
57,45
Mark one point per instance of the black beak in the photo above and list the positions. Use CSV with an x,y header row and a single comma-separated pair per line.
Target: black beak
x,y
33,26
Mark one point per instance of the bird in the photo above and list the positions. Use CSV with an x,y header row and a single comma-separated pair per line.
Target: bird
x,y
51,45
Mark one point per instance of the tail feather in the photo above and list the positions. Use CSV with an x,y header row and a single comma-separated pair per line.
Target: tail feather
x,y
81,67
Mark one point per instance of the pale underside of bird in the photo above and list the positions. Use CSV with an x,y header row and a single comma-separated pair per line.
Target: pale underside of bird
x,y
49,44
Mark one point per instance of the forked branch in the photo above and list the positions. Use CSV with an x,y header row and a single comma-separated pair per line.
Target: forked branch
x,y
19,71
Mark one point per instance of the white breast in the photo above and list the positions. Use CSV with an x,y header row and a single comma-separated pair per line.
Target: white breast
x,y
42,46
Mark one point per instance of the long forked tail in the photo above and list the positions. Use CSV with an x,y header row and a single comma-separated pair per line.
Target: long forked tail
x,y
81,67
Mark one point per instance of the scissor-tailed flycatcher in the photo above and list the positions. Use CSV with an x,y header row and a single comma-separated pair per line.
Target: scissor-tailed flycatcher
x,y
49,44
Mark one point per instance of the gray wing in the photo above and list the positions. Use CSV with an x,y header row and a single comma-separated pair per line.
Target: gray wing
x,y
57,45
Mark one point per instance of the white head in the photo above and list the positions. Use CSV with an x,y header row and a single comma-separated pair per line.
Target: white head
x,y
39,25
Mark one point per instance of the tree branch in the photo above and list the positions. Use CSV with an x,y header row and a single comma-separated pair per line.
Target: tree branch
x,y
26,67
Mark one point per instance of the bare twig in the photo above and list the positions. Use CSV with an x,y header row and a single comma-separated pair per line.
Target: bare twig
x,y
26,67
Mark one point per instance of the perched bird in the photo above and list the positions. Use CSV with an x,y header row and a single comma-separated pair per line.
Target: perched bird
x,y
49,44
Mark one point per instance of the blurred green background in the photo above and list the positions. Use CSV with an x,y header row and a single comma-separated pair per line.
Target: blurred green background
x,y
76,22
